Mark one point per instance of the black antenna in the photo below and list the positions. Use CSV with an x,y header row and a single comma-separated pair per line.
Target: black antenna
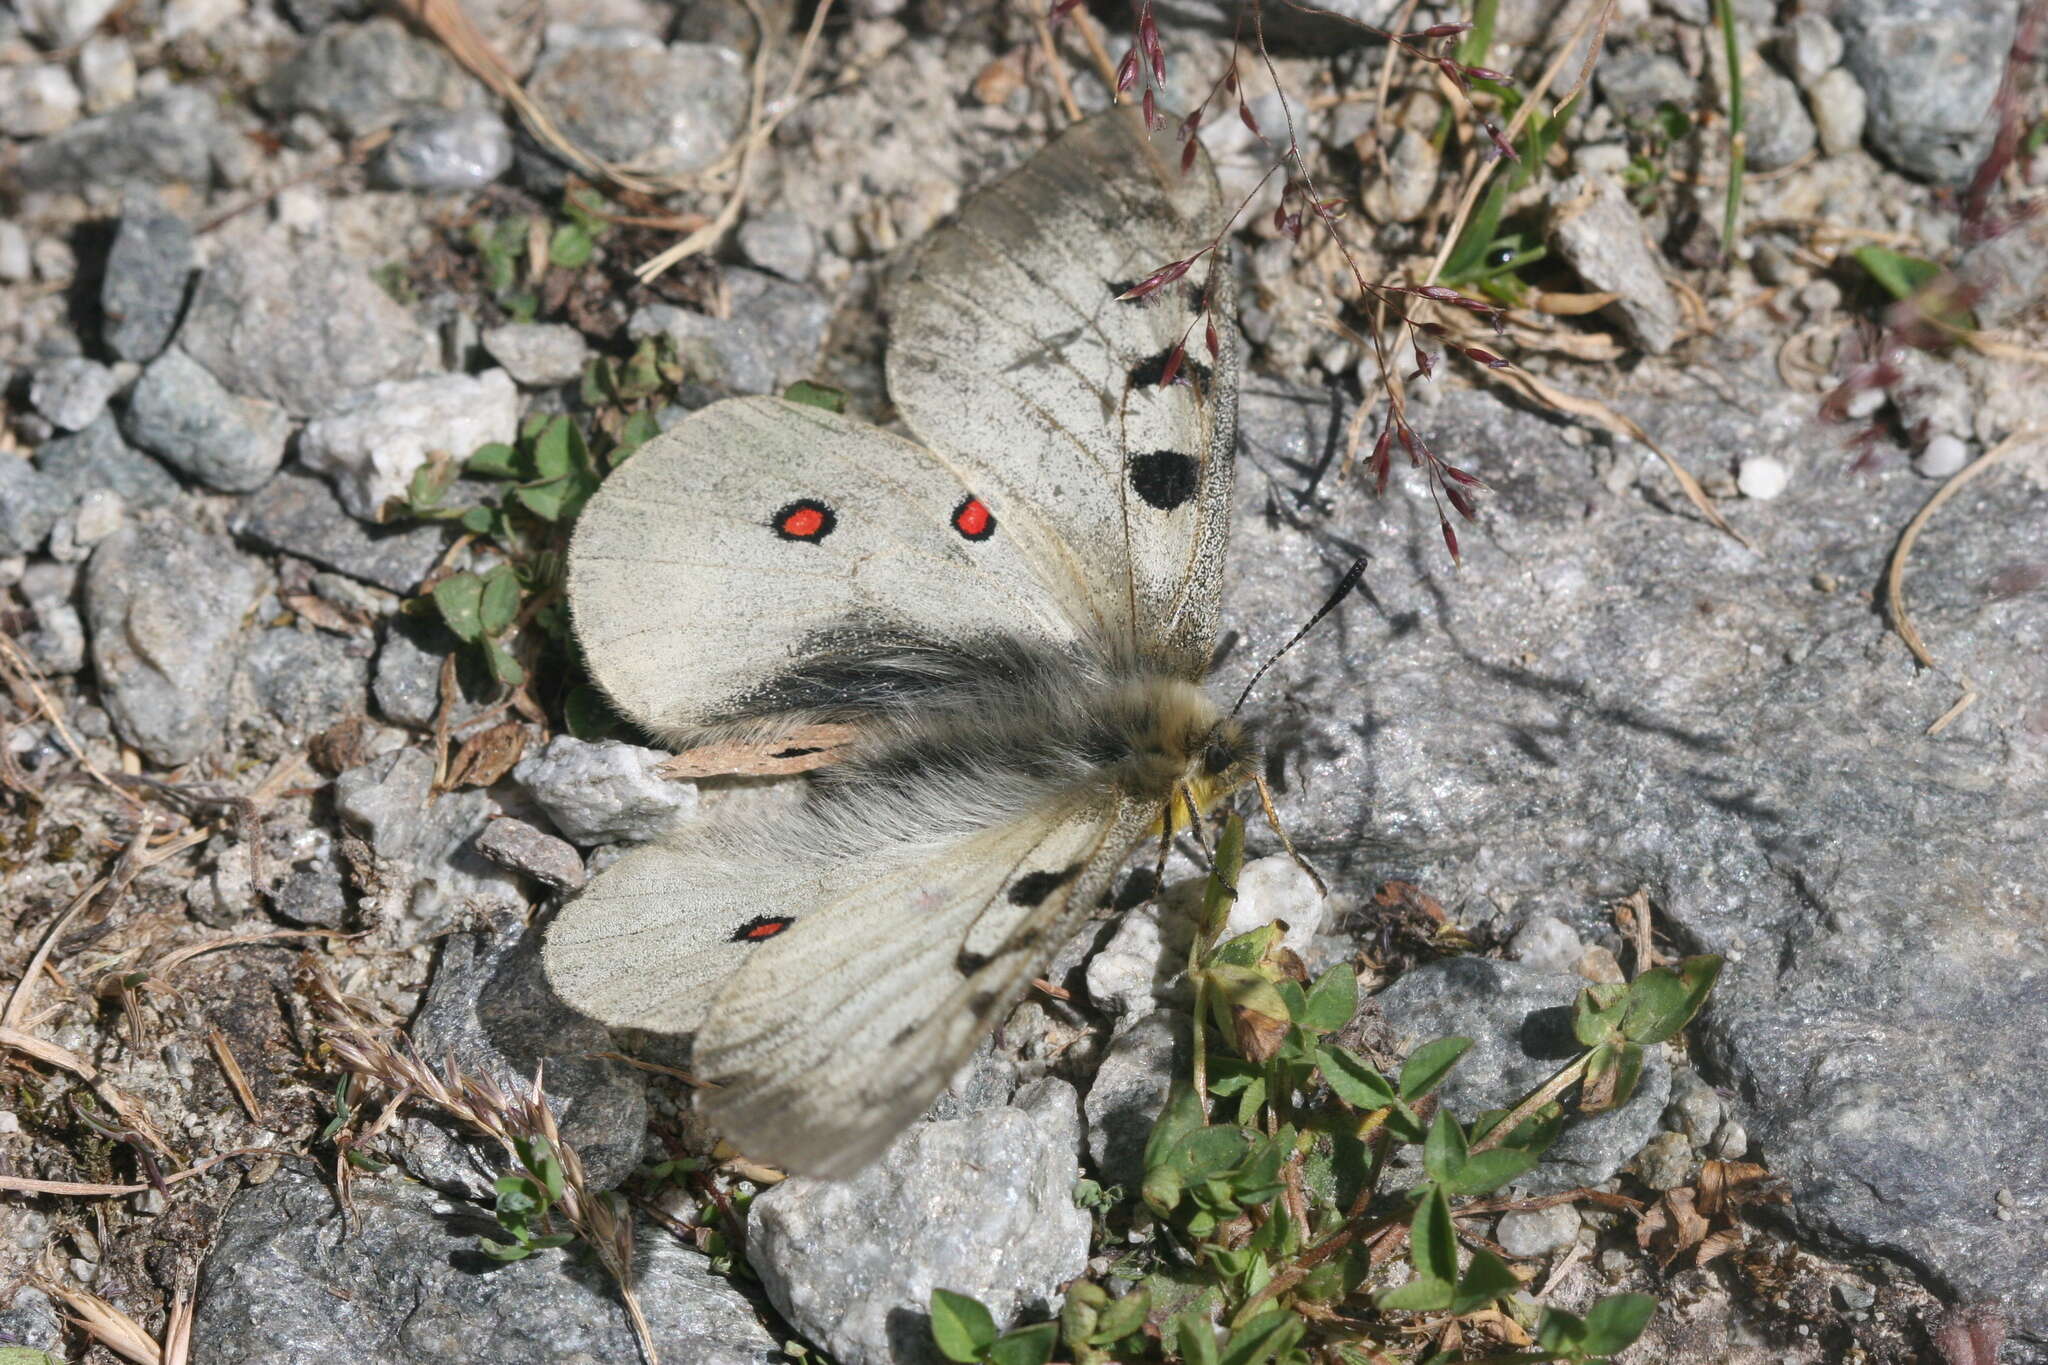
x,y
1344,587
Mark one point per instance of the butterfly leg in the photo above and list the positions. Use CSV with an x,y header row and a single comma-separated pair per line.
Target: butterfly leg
x,y
1273,819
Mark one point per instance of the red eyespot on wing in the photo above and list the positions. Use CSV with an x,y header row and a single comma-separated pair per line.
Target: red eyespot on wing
x,y
973,520
804,519
761,927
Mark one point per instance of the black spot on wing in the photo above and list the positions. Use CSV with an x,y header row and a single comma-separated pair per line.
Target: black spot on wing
x,y
1033,887
967,964
981,1002
1148,372
1164,478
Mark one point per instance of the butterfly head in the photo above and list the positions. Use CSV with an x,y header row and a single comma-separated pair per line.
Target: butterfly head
x,y
1178,748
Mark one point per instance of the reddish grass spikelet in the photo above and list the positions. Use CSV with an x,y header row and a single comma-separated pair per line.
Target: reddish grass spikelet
x,y
1382,462
1450,538
1459,500
1425,364
1501,146
1244,111
1487,73
1458,475
1454,73
1127,71
1485,358
1152,119
1170,372
1210,339
1160,278
1436,31
1148,41
1187,156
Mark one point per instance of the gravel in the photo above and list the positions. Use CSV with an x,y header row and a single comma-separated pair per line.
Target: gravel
x,y
604,792
373,442
299,514
181,412
627,97
71,393
149,268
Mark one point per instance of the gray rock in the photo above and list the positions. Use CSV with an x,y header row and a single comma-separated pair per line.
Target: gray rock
x,y
771,339
307,679
61,23
360,78
1930,69
1777,127
71,392
780,243
1666,1162
37,100
57,644
627,97
17,263
1695,1109
1129,1088
1839,111
30,1319
164,139
1318,29
291,1277
165,599
489,1007
443,151
538,354
1519,1021
2011,271
181,412
982,1206
30,503
97,458
408,686
1143,962
374,441
106,74
1537,1232
303,327
1810,47
428,872
1547,943
1635,80
148,268
1600,235
606,792
311,889
1747,749
299,514
519,846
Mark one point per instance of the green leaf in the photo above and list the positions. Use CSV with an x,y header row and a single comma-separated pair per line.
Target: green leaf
x,y
1026,1346
430,483
503,1251
1901,276
1427,1066
1484,1172
1612,1071
1264,1337
1356,1083
495,460
1180,1116
504,668
519,1198
1432,1241
1197,1339
1597,1012
961,1327
1616,1321
1560,1333
460,599
551,1241
1661,1001
482,521
638,430
1122,1317
1423,1294
498,606
1221,890
1486,1278
1333,1000
1443,1152
551,450
571,246
815,396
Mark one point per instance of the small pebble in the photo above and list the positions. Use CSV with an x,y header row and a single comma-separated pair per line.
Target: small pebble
x,y
1941,457
1865,403
1855,1297
16,264
1762,477
106,71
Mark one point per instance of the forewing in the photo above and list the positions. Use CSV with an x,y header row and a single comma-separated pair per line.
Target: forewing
x,y
760,534
835,1036
1011,354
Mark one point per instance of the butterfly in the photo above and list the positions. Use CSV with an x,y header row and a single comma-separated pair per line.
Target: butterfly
x,y
1006,622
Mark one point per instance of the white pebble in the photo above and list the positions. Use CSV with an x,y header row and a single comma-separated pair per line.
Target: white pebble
x,y
1865,402
1762,477
1941,457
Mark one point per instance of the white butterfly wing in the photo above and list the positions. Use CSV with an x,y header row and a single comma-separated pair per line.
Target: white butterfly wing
x,y
759,535
834,985
1011,354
